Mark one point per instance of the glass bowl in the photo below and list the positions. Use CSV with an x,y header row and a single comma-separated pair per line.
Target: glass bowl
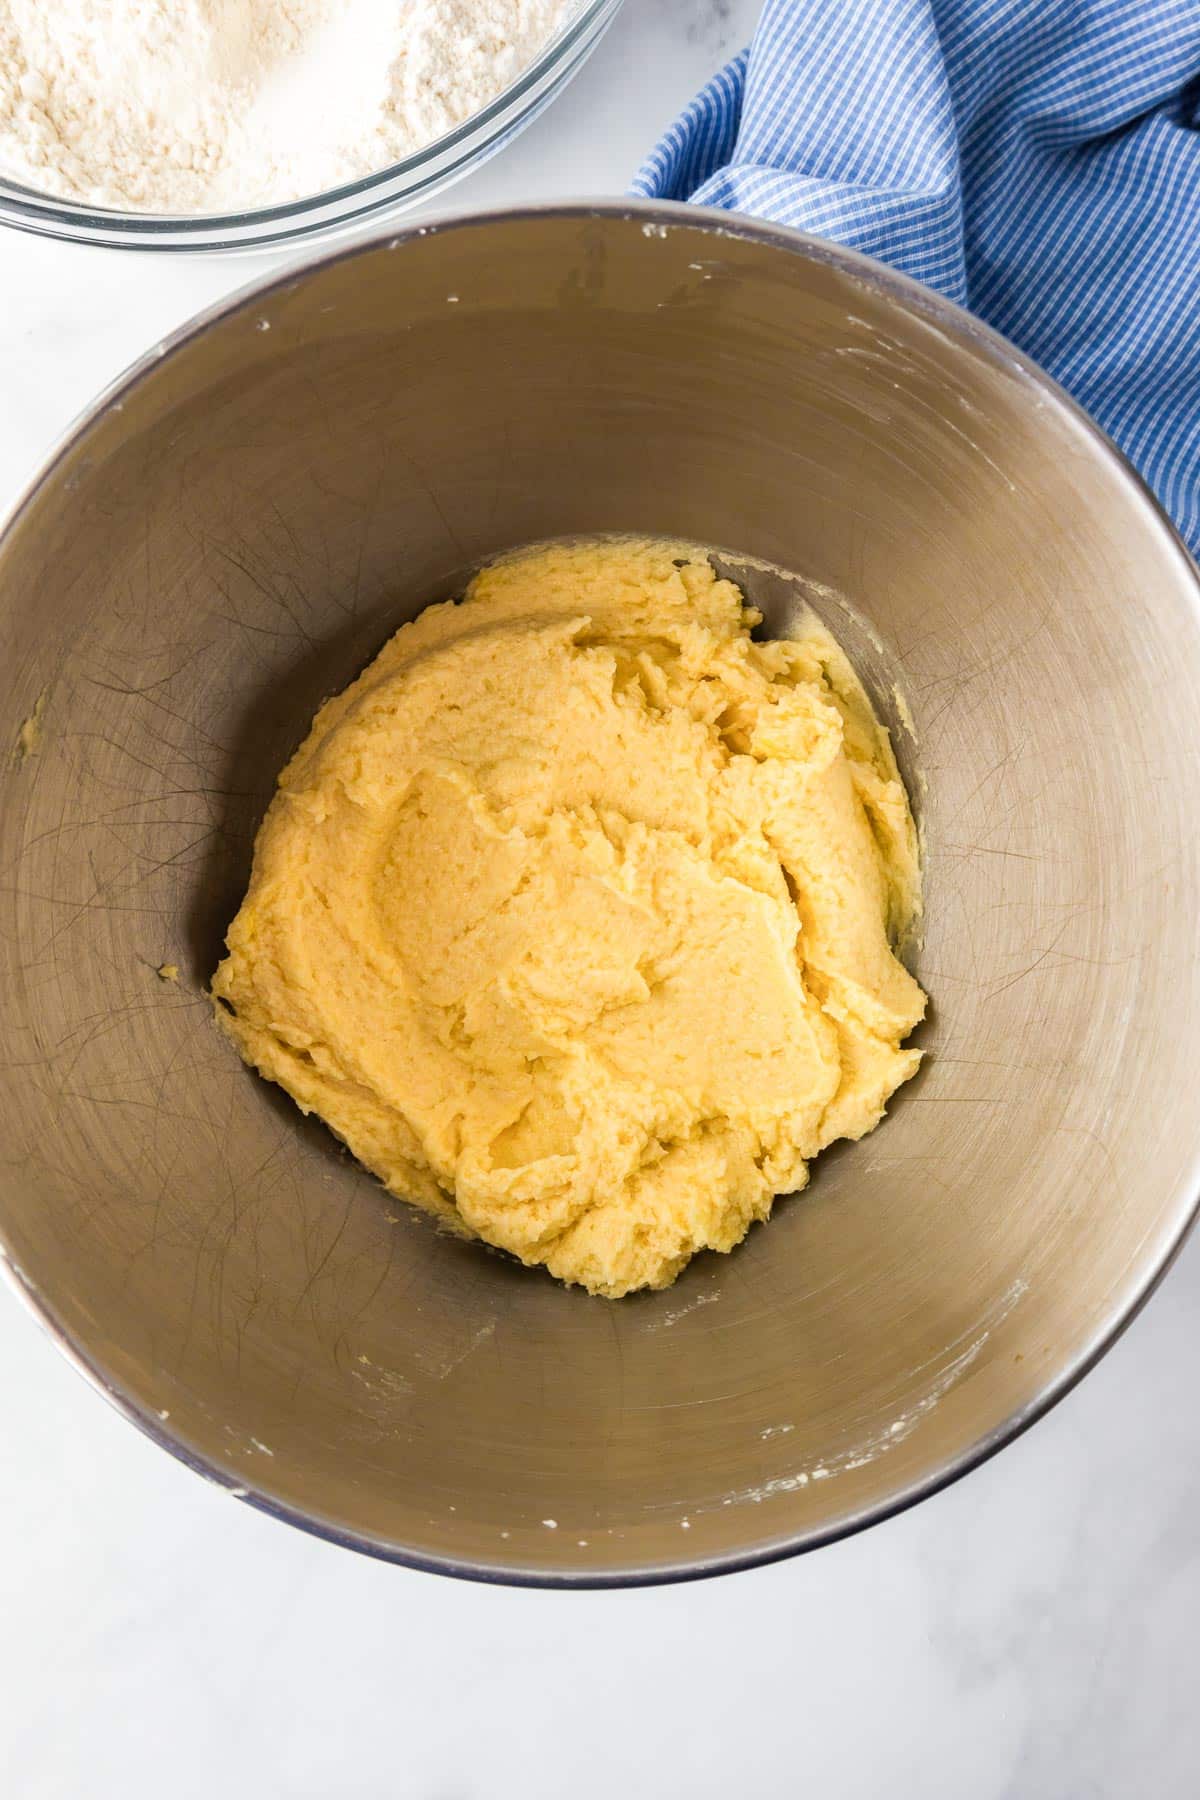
x,y
323,215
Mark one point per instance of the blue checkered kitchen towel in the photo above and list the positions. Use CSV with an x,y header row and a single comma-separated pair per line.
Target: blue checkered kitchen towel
x,y
1036,160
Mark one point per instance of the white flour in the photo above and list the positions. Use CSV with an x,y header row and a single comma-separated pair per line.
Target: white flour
x,y
186,106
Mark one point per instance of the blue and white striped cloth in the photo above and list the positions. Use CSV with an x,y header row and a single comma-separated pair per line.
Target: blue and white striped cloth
x,y
1036,160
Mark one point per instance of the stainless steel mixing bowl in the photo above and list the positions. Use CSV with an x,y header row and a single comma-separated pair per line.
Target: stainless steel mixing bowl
x,y
232,533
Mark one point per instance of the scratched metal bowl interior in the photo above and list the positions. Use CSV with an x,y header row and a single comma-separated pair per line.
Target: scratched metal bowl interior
x,y
234,532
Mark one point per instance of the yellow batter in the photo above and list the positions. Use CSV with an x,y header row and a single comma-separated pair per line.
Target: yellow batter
x,y
573,915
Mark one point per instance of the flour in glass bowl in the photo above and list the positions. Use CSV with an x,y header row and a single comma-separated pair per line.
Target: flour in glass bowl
x,y
201,106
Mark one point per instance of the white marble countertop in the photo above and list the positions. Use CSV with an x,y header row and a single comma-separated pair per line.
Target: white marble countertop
x,y
1029,1634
